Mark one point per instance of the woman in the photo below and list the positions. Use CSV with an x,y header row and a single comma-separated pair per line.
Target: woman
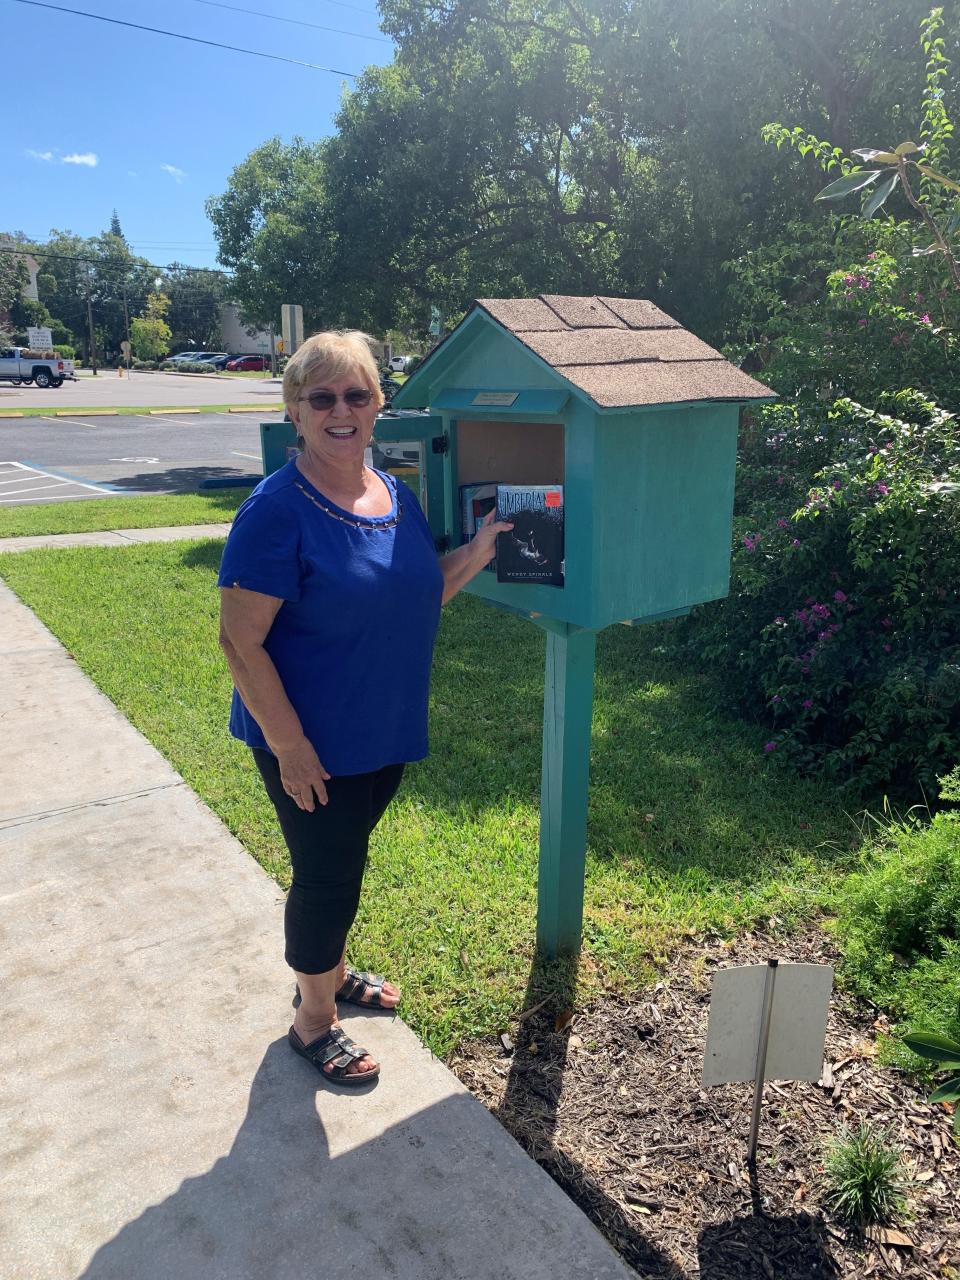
x,y
329,584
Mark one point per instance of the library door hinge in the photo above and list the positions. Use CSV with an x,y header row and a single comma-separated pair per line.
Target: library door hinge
x,y
439,444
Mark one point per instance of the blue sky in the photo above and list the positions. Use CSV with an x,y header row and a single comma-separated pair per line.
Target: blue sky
x,y
109,118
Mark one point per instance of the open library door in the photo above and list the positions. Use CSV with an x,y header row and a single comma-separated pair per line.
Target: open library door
x,y
411,445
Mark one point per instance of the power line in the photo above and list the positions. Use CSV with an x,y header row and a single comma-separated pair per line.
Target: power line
x,y
341,4
178,35
30,251
297,22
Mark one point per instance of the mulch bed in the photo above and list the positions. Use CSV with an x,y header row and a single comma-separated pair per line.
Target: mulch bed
x,y
611,1107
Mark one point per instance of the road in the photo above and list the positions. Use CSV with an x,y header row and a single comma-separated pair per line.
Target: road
x,y
55,459
158,390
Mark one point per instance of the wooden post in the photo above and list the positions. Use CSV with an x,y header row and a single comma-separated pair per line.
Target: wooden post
x,y
567,715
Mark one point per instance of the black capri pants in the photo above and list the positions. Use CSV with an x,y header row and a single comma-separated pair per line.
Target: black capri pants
x,y
328,851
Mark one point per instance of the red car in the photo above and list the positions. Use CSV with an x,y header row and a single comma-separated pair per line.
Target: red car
x,y
253,363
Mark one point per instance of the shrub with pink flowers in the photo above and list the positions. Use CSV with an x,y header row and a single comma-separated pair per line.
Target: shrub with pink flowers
x,y
841,633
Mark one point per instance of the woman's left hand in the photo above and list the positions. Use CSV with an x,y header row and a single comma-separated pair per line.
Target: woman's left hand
x,y
485,541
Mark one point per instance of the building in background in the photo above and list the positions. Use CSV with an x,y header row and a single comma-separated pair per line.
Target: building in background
x,y
237,337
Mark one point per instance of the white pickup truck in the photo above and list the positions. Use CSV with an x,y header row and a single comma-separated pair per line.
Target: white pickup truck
x,y
20,364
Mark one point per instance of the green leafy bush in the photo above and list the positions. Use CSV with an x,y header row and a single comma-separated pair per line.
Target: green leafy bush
x,y
65,351
145,364
898,923
843,620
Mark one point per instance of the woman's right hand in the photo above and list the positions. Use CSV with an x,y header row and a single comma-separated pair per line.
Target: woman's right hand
x,y
303,775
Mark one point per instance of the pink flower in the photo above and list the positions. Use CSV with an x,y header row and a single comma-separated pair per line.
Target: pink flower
x,y
886,622
925,319
775,698
888,648
862,322
770,746
795,542
783,524
837,485
881,488
839,596
807,704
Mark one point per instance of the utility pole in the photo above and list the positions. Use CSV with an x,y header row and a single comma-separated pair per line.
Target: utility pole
x,y
126,321
93,341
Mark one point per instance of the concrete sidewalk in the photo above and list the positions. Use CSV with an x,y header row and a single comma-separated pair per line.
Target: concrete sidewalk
x,y
156,1125
114,537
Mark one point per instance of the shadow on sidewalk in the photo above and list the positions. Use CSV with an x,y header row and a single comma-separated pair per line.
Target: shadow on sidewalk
x,y
419,1200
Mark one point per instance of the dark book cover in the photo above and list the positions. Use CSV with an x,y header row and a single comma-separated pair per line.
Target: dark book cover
x,y
476,500
533,550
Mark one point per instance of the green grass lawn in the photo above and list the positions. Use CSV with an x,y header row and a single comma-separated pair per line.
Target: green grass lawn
x,y
125,410
152,512
690,830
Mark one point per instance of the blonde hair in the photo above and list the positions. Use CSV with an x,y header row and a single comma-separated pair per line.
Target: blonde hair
x,y
328,356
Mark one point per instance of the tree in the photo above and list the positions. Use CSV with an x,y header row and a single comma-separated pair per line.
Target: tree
x,y
563,146
150,333
13,276
115,227
196,298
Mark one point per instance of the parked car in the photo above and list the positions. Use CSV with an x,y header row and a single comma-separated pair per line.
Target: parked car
x,y
184,357
216,358
249,364
398,364
18,365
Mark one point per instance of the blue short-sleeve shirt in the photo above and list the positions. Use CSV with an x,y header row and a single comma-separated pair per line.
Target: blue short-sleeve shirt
x,y
353,640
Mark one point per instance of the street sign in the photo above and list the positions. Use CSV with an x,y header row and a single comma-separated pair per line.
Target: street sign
x,y
291,316
125,347
434,329
279,346
39,338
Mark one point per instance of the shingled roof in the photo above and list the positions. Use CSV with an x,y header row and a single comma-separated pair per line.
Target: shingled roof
x,y
621,351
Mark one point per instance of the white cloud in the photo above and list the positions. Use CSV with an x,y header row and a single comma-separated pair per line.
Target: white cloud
x,y
85,157
132,173
178,175
39,155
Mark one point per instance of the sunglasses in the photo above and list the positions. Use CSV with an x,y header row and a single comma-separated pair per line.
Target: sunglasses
x,y
355,398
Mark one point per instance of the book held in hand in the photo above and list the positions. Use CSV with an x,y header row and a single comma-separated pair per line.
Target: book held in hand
x,y
533,550
476,500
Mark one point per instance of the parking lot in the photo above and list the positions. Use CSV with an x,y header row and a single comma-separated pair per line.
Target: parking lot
x,y
69,459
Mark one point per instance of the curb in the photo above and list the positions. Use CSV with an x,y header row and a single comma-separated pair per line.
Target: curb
x,y
85,413
254,408
152,412
10,413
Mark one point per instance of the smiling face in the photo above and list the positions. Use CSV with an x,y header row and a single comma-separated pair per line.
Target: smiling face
x,y
337,436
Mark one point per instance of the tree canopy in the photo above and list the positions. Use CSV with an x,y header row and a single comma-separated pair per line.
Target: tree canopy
x,y
561,145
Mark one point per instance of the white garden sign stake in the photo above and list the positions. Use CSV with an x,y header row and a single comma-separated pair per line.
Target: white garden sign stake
x,y
767,1022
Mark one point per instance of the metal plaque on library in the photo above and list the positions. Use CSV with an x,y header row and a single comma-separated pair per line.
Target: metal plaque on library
x,y
503,399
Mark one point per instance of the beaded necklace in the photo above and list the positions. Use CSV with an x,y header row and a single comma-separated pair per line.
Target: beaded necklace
x,y
355,524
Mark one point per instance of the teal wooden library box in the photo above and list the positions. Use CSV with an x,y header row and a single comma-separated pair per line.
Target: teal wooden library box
x,y
637,419
633,415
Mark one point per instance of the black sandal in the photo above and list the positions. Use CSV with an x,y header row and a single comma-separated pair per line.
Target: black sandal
x,y
355,986
336,1050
